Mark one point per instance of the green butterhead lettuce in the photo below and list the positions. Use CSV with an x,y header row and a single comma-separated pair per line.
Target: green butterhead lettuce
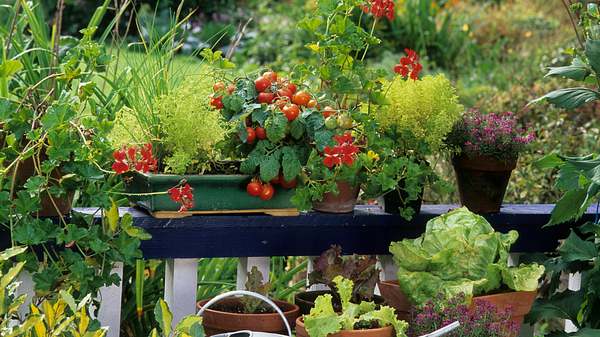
x,y
323,320
459,253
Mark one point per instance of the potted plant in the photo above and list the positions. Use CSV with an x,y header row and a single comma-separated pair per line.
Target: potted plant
x,y
361,319
248,313
461,253
489,146
361,270
414,121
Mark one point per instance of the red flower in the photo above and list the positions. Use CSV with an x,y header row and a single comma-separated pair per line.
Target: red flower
x,y
132,157
380,8
182,194
342,153
409,65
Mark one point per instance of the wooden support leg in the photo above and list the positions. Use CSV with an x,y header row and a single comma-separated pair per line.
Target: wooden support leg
x,y
181,284
574,285
25,287
245,264
309,268
389,271
109,313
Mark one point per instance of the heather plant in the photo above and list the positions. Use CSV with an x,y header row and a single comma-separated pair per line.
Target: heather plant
x,y
484,319
494,135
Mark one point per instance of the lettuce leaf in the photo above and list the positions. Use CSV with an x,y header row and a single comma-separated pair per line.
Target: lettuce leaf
x,y
386,316
523,278
322,320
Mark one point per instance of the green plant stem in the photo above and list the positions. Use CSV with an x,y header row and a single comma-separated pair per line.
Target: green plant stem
x,y
370,35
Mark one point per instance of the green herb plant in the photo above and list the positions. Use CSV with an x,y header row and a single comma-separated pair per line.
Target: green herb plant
x,y
323,320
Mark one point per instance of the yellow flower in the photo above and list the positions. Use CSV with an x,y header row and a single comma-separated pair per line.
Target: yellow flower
x,y
465,28
372,155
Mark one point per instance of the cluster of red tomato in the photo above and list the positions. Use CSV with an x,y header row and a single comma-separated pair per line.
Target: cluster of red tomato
x,y
266,191
282,93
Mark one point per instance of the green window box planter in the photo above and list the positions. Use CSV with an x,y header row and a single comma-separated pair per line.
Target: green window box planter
x,y
213,194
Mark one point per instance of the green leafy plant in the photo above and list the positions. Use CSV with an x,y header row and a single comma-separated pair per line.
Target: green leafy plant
x,y
361,270
460,253
189,326
323,320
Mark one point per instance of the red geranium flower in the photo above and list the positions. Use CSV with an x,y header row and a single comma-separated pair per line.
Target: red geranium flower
x,y
380,8
182,194
409,65
342,153
140,159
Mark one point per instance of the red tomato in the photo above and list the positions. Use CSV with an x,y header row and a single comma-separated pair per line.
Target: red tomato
x,y
260,133
285,92
288,184
328,111
251,135
291,111
254,188
281,103
218,86
271,76
261,84
292,87
267,192
301,98
311,104
230,89
265,97
217,102
276,180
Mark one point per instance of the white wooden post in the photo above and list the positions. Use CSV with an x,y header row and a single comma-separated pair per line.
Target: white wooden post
x,y
574,285
181,285
389,271
245,264
109,313
309,268
25,287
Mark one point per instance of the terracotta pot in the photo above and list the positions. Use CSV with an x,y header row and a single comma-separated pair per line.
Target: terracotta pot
x,y
51,206
387,331
306,300
395,298
518,302
482,181
216,322
343,202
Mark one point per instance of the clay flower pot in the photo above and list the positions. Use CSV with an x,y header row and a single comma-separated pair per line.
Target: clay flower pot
x,y
216,321
519,303
306,299
482,181
343,202
387,331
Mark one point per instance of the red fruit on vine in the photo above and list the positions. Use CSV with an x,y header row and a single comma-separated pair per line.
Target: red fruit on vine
x,y
260,132
217,102
265,97
311,104
288,184
301,98
291,111
251,135
271,76
267,192
281,102
230,89
276,180
261,84
328,111
292,87
218,86
285,92
254,188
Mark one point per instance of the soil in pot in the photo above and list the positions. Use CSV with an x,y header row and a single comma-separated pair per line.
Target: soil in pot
x,y
228,316
343,202
306,300
482,181
387,331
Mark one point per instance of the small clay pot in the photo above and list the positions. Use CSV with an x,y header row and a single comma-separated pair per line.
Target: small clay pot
x,y
518,302
216,322
387,331
343,202
395,298
482,181
306,299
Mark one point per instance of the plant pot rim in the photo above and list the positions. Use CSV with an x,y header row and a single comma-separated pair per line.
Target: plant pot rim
x,y
286,307
485,163
385,330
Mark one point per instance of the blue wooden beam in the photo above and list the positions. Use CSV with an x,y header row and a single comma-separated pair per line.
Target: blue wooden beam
x,y
366,231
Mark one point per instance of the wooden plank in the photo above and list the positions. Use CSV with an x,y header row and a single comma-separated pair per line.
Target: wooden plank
x,y
367,230
245,265
181,284
272,212
109,314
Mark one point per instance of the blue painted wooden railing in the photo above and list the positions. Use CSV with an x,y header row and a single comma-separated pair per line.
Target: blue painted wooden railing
x,y
255,238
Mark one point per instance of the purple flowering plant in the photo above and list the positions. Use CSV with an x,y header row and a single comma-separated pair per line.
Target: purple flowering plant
x,y
496,135
483,320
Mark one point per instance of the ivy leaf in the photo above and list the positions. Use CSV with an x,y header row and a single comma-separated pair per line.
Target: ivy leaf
x,y
569,98
276,127
269,168
577,70
291,164
576,249
592,51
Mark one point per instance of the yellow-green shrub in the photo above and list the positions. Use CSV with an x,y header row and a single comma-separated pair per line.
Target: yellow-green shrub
x,y
426,108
